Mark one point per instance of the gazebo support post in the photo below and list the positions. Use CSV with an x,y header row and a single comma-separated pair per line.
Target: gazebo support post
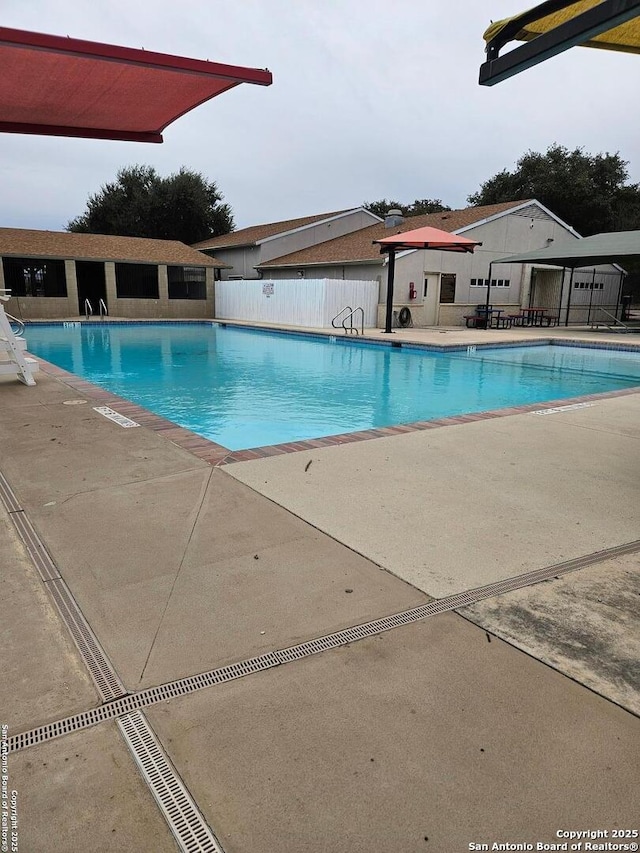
x,y
390,276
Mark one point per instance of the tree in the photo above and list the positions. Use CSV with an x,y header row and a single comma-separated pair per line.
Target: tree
x,y
416,208
140,203
585,190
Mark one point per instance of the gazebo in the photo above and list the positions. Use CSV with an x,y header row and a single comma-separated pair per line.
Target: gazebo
x,y
418,238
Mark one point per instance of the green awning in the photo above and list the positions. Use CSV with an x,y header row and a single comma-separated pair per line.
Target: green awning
x,y
613,248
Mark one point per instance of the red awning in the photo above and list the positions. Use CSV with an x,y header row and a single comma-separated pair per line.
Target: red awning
x,y
428,238
67,87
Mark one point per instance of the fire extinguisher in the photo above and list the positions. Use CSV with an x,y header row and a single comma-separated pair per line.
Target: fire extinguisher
x,y
412,290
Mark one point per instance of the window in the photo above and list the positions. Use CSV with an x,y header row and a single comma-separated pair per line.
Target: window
x,y
137,281
447,288
483,282
187,282
34,277
588,285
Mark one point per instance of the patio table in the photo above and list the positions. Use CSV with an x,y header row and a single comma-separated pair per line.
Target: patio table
x,y
534,316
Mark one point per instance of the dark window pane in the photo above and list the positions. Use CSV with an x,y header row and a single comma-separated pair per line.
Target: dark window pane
x,y
137,281
447,288
34,277
187,282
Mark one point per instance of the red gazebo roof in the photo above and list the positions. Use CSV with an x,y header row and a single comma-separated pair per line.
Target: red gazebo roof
x,y
428,238
68,87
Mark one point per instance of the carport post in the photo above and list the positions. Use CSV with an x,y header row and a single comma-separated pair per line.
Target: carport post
x,y
566,319
390,277
619,296
564,272
593,281
486,324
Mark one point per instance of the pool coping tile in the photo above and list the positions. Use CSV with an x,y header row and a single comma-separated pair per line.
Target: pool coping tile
x,y
218,455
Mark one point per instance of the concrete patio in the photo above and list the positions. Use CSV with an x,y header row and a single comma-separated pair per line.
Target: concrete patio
x,y
506,720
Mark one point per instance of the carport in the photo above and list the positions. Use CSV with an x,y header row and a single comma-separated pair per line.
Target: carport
x,y
612,248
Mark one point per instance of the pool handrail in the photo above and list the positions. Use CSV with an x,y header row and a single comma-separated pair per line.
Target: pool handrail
x,y
350,329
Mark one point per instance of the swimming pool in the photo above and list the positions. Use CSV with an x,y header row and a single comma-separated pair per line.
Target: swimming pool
x,y
246,388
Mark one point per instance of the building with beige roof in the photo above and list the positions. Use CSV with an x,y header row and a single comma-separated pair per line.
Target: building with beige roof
x,y
439,287
244,251
56,274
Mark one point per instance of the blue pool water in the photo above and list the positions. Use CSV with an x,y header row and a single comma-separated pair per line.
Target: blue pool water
x,y
246,388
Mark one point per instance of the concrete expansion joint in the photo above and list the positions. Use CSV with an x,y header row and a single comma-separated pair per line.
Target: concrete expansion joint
x,y
125,703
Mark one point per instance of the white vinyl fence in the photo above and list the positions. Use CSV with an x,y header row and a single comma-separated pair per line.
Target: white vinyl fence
x,y
295,302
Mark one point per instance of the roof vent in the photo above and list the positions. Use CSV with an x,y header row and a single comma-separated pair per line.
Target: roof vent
x,y
393,218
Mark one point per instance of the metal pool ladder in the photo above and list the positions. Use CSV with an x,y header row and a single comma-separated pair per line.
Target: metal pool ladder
x,y
342,318
88,310
103,309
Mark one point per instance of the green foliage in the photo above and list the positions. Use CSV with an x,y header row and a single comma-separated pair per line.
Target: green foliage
x,y
587,191
418,207
140,203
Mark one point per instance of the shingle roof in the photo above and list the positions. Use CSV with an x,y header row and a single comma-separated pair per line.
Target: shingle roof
x,y
358,246
21,242
251,235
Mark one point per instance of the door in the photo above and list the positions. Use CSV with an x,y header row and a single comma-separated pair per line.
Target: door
x,y
430,295
91,285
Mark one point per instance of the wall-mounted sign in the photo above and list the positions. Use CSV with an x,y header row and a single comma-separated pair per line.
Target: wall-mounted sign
x,y
267,288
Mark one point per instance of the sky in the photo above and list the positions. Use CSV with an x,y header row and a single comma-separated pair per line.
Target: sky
x,y
370,100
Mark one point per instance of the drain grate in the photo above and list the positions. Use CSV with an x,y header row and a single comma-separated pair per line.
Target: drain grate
x,y
40,557
261,663
180,811
104,676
